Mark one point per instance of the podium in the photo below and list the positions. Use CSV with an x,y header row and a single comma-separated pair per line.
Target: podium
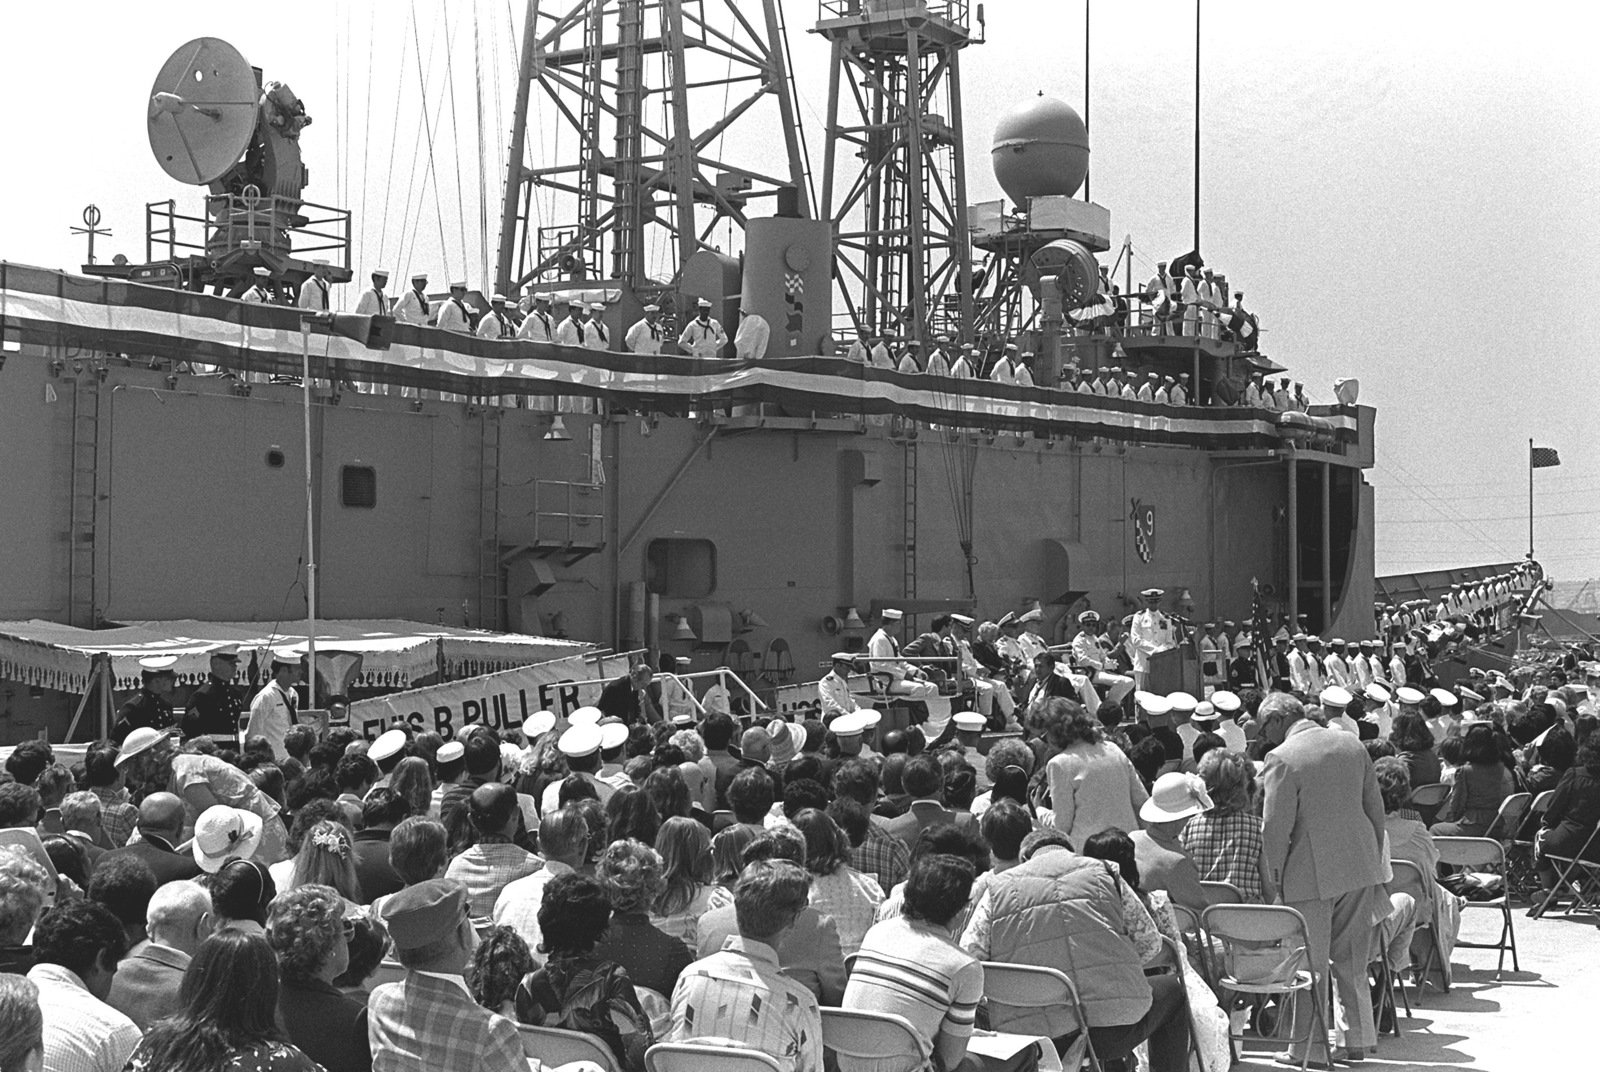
x,y
1174,670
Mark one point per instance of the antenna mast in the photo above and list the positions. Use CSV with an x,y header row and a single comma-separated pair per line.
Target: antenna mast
x,y
661,100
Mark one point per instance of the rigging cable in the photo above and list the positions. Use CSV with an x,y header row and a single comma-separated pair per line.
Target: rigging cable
x,y
444,253
455,144
483,217
366,140
394,141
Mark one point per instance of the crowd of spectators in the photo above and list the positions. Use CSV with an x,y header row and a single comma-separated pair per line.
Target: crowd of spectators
x,y
407,903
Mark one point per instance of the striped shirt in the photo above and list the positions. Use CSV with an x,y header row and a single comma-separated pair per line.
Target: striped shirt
x,y
81,1032
488,868
117,817
883,857
913,969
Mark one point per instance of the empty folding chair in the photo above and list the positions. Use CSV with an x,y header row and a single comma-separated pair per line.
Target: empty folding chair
x,y
1483,855
1264,951
1428,799
1524,871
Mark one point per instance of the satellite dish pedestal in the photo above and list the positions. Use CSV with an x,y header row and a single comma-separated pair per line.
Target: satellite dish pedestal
x,y
212,122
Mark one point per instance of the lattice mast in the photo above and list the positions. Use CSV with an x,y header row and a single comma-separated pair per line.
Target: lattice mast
x,y
894,174
657,109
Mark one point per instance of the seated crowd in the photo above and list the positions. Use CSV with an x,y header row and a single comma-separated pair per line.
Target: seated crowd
x,y
413,903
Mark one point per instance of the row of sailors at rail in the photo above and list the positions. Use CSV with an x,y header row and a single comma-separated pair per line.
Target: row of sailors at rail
x,y
1011,366
1193,304
535,319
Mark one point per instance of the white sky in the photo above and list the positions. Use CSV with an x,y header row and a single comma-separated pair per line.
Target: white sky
x,y
1408,192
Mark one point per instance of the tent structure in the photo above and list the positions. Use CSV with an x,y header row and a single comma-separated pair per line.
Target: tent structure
x,y
394,654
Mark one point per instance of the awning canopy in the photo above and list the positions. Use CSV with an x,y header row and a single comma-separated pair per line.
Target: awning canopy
x,y
395,653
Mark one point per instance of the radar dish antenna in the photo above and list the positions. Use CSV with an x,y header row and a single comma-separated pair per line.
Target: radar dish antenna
x,y
203,109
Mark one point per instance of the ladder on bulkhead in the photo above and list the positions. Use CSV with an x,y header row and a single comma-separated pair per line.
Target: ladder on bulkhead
x,y
910,586
82,610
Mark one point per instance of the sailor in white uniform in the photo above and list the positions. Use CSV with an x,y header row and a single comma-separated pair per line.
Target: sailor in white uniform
x,y
1147,389
574,330
314,291
1191,299
1022,373
884,650
909,365
938,363
1150,632
260,290
1213,659
374,302
833,690
495,324
703,336
1300,661
858,350
1227,706
538,325
750,341
1091,655
1004,371
595,335
1335,670
1335,701
962,368
1029,639
1213,296
275,708
645,335
1178,394
878,356
413,307
453,315
1159,288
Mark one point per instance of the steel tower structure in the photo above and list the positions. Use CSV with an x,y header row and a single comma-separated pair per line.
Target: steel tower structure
x,y
894,174
655,106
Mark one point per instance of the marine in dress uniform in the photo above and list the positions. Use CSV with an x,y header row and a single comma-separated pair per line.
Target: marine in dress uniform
x,y
574,330
314,291
703,336
374,302
1242,670
644,337
596,337
751,340
538,325
216,707
1150,632
413,306
495,324
149,707
259,292
276,707
453,315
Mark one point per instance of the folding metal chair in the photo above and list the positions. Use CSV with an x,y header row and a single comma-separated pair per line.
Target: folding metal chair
x,y
1428,799
1584,890
1221,893
1196,941
1483,854
1264,951
882,1042
553,1046
1409,878
707,1057
1031,1000
1524,870
1508,820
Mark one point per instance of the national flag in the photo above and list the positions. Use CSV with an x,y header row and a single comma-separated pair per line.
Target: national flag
x,y
1543,457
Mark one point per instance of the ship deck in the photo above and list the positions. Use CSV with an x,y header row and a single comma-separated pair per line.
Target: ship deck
x,y
1528,1019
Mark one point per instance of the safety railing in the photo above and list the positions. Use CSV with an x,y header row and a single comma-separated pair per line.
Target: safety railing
x,y
563,514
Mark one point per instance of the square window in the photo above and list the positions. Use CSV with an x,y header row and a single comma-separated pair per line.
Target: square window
x,y
681,569
358,486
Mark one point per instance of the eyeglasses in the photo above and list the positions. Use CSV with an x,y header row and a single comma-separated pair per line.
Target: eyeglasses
x,y
349,928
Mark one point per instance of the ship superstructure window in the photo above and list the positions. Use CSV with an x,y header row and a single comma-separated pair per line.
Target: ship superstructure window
x,y
683,569
358,486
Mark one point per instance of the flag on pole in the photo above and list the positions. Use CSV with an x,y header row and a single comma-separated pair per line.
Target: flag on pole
x,y
1543,457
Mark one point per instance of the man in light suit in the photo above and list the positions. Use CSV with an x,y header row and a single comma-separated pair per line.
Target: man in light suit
x,y
1327,866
